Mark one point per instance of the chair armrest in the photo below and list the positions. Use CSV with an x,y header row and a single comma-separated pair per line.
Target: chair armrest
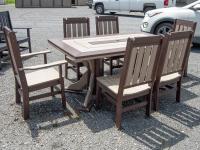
x,y
56,63
23,28
24,56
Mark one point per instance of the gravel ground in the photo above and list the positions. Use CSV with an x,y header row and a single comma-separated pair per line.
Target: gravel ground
x,y
175,127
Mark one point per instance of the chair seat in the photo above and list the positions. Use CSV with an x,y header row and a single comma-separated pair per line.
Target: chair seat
x,y
112,84
41,76
21,40
170,77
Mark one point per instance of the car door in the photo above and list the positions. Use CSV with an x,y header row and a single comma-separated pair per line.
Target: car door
x,y
114,5
124,5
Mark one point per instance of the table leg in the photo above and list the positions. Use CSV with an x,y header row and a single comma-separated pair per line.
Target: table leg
x,y
91,83
80,84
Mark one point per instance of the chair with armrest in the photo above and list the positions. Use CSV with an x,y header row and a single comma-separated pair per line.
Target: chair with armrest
x,y
42,76
6,21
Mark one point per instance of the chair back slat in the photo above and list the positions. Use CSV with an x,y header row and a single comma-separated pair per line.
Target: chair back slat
x,y
76,27
140,63
177,51
107,25
152,60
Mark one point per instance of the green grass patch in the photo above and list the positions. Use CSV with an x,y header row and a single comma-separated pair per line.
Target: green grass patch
x,y
10,1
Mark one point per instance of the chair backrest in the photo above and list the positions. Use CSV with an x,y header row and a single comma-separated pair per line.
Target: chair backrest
x,y
184,25
177,52
141,61
107,25
5,20
76,27
14,52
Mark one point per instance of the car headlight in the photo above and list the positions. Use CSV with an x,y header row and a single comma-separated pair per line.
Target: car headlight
x,y
153,14
145,24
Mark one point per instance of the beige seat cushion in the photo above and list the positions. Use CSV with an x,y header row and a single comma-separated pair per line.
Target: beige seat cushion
x,y
112,83
169,77
41,76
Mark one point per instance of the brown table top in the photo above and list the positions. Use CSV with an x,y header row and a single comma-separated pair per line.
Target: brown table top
x,y
80,49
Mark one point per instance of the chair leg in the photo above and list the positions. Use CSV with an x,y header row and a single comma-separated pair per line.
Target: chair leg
x,y
63,94
118,117
178,91
111,66
29,41
98,97
185,71
52,91
148,107
26,105
66,71
78,73
156,99
17,95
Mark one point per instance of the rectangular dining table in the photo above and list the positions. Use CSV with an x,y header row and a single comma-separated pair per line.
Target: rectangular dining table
x,y
91,51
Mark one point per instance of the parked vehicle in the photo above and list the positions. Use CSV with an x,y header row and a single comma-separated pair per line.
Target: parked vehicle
x,y
160,21
114,6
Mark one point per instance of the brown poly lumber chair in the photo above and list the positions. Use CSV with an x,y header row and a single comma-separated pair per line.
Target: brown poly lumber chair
x,y
184,25
42,76
136,79
6,21
74,28
108,25
171,69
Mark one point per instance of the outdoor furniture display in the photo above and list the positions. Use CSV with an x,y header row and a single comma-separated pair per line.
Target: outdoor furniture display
x,y
171,69
184,25
6,21
92,50
107,25
73,28
136,79
42,76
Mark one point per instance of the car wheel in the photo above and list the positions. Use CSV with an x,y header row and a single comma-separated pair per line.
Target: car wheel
x,y
163,28
99,9
148,9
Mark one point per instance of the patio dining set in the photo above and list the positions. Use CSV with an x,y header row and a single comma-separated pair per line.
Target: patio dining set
x,y
146,63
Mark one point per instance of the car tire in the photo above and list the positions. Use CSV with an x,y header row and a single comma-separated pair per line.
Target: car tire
x,y
99,9
163,28
148,9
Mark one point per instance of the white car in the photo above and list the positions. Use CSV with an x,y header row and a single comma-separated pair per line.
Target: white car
x,y
114,6
160,21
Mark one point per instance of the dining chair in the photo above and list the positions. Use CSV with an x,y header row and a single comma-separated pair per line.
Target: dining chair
x,y
42,76
136,79
184,25
108,25
74,28
6,21
171,69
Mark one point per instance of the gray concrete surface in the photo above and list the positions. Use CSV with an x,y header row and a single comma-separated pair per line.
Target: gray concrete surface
x,y
175,127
